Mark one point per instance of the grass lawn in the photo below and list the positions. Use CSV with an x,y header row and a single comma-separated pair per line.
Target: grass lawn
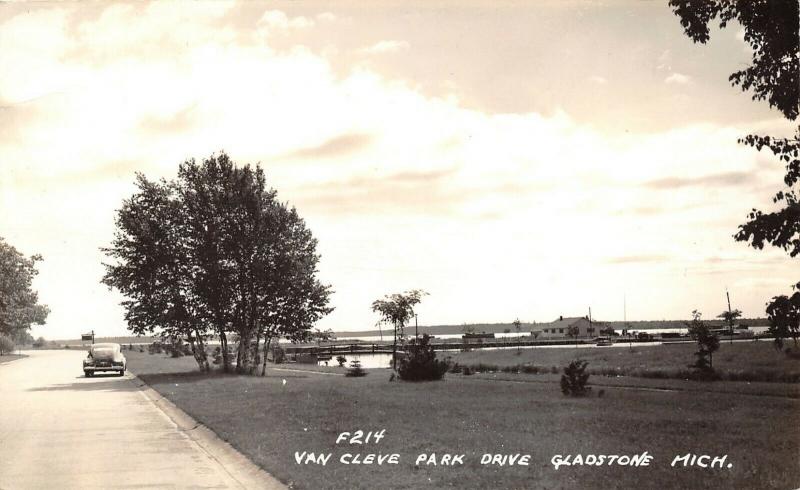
x,y
759,359
11,357
269,420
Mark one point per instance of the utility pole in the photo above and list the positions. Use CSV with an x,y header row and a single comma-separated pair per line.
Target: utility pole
x,y
730,315
416,329
625,321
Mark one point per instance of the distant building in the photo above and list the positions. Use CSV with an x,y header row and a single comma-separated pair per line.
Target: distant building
x,y
560,328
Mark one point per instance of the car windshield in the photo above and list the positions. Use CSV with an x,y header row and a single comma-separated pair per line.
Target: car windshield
x,y
104,350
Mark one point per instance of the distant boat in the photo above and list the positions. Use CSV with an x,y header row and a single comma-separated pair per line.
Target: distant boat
x,y
482,335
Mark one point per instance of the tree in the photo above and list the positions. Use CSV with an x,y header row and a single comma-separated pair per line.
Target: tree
x,y
608,330
6,344
517,326
214,252
19,303
707,344
784,318
398,309
772,29
574,331
574,379
730,318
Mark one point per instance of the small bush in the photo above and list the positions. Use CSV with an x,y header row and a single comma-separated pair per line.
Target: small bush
x,y
468,371
341,360
573,381
792,353
355,370
420,363
278,354
456,368
155,348
141,348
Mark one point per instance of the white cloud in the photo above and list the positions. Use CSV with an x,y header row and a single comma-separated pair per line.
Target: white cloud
x,y
386,46
597,79
678,79
326,17
524,200
276,19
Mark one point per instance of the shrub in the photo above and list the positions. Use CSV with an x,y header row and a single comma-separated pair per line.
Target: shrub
x,y
217,356
278,354
573,381
175,347
341,360
420,363
468,371
141,348
39,343
792,353
155,348
6,344
355,370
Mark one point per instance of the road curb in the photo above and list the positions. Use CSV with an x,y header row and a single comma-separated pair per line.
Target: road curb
x,y
237,465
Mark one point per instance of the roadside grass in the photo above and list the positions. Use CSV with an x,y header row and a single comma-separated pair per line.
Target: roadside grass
x,y
269,420
11,357
740,361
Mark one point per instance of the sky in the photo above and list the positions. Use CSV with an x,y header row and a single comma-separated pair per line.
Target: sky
x,y
512,159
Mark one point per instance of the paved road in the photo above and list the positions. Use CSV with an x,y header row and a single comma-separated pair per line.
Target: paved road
x,y
59,429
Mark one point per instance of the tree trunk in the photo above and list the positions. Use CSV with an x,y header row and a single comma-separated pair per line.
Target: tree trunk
x,y
394,350
256,359
199,351
243,352
267,341
226,362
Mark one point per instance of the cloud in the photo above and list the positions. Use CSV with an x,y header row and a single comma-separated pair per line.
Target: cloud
x,y
597,79
337,146
278,20
403,192
382,47
381,171
677,79
182,120
637,259
727,179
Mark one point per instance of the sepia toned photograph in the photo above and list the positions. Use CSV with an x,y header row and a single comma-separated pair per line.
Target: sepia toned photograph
x,y
545,244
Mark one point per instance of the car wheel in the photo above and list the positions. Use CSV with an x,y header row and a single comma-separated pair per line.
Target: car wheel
x,y
88,374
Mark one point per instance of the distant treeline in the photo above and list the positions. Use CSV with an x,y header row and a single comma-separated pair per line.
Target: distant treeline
x,y
527,327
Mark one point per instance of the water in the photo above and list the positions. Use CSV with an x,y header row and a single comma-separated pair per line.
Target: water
x,y
384,360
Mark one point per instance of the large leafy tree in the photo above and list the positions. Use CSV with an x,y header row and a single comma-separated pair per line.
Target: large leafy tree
x,y
19,303
215,252
151,269
772,29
